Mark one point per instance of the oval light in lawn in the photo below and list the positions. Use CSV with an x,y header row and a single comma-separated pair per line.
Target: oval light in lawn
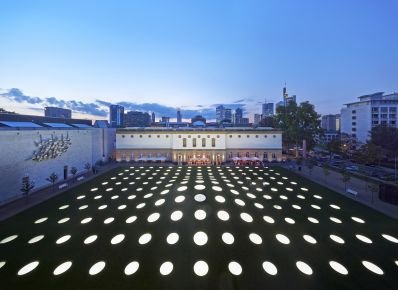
x,y
131,268
228,238
200,238
246,217
199,187
200,197
36,239
364,239
390,238
166,268
338,267
373,267
201,268
63,239
223,215
269,219
235,268
96,268
144,239
117,239
200,214
39,221
131,219
8,239
337,239
309,239
256,239
270,268
282,239
90,239
153,217
62,268
28,268
176,215
304,267
172,238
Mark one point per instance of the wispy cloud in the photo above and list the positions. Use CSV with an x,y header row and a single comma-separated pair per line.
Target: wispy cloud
x,y
100,107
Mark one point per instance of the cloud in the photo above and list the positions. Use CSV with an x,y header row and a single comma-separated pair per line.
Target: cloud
x,y
16,95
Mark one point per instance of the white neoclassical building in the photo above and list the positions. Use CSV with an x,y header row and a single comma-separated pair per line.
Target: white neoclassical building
x,y
205,145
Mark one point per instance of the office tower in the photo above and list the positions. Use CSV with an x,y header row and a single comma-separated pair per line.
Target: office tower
x,y
179,117
116,116
55,112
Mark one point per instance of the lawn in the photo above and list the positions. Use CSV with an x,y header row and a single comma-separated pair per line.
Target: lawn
x,y
199,228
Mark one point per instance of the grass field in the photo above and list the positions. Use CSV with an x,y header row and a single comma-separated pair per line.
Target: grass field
x,y
199,228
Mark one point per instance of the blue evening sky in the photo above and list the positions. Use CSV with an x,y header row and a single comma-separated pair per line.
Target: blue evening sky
x,y
189,53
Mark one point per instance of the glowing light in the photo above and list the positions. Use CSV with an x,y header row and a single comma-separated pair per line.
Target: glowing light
x,y
2,263
62,268
270,268
153,217
172,238
39,221
338,268
166,268
289,220
182,188
256,239
239,202
131,219
246,217
219,198
8,239
141,205
334,206
313,220
282,239
109,220
200,214
358,220
304,267
372,267
63,239
179,198
390,238
28,268
295,206
269,219
235,268
160,202
144,239
86,220
90,239
223,215
309,239
258,205
200,197
131,268
228,238
216,188
63,207
200,238
199,187
364,239
201,268
176,215
335,220
96,268
117,239
337,239
36,239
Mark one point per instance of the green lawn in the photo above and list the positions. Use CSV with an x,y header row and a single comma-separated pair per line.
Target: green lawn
x,y
241,201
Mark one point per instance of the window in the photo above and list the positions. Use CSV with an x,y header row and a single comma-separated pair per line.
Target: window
x,y
393,116
393,109
354,117
158,136
265,155
131,136
256,136
140,136
230,155
167,136
384,109
149,136
189,136
230,136
248,136
213,142
184,142
375,109
265,136
375,116
384,116
354,129
199,136
274,136
194,142
256,154
354,123
203,142
239,136
179,136
238,155
218,136
122,136
354,111
247,154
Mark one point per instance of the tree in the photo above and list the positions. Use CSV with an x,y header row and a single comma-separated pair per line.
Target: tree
x,y
326,171
345,177
87,166
334,147
27,186
267,121
73,171
374,188
53,179
298,123
369,154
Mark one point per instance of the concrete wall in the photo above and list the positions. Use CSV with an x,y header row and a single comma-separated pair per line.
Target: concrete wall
x,y
17,146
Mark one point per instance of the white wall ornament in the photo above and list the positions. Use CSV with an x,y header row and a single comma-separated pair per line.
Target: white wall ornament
x,y
51,148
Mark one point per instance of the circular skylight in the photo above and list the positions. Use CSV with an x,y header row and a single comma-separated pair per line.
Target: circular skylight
x,y
235,268
390,238
179,198
304,267
131,219
216,188
96,268
166,268
200,238
172,238
270,268
28,268
201,268
131,268
199,186
176,215
62,268
182,188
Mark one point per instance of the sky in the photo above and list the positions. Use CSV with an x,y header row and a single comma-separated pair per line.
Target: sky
x,y
159,55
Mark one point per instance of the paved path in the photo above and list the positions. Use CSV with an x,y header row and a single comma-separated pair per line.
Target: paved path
x,y
333,181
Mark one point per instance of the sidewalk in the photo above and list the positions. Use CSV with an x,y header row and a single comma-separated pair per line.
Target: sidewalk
x,y
23,203
333,182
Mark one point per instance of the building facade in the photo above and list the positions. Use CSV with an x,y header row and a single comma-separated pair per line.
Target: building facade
x,y
223,115
358,118
137,119
55,112
331,123
179,116
268,109
238,116
186,144
116,116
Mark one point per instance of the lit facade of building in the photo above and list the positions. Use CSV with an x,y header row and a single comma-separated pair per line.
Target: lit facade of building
x,y
358,118
56,112
183,145
116,116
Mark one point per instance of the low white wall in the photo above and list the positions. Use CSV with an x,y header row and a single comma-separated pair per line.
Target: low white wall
x,y
17,146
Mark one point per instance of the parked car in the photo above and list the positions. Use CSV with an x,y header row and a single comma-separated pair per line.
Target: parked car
x,y
352,168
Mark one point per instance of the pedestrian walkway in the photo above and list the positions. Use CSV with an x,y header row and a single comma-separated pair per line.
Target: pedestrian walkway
x,y
334,182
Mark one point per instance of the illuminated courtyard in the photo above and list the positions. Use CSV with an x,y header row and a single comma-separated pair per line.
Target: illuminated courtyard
x,y
159,227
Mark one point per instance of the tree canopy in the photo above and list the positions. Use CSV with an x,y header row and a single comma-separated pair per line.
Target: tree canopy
x,y
386,138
